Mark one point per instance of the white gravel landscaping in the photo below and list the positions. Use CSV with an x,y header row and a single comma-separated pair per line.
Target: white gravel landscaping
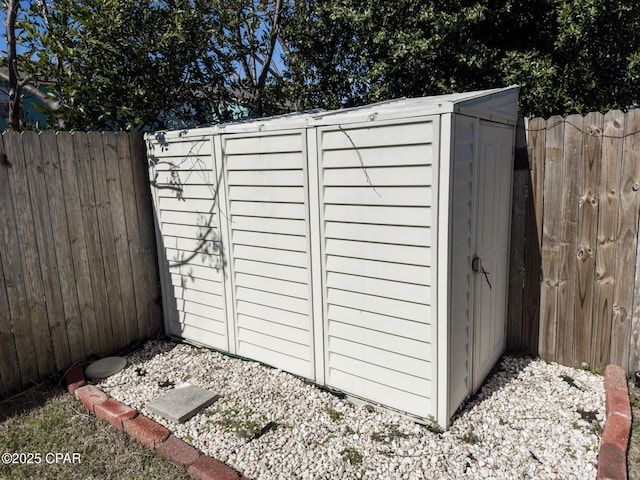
x,y
530,420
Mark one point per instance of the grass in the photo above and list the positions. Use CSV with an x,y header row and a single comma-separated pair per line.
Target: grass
x,y
352,456
334,414
470,437
245,424
46,420
433,426
389,436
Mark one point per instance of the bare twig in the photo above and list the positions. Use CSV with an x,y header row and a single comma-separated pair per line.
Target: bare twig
x,y
275,26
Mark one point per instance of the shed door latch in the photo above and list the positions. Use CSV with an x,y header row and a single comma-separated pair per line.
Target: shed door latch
x,y
477,267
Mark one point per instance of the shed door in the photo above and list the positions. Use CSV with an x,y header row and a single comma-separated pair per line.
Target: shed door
x,y
492,243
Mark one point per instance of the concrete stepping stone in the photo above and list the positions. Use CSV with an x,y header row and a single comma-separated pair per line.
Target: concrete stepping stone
x,y
182,403
105,367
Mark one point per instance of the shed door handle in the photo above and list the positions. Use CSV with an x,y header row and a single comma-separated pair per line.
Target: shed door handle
x,y
477,267
475,264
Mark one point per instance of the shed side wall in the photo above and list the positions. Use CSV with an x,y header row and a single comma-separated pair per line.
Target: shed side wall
x,y
378,210
268,221
184,184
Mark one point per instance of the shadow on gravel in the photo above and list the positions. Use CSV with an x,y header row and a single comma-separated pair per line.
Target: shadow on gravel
x,y
504,372
39,394
145,351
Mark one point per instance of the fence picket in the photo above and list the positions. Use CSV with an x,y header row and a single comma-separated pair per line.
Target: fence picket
x,y
572,159
16,348
516,255
147,231
61,243
626,242
48,209
83,164
551,236
120,242
79,254
536,131
608,196
591,133
133,234
112,330
28,250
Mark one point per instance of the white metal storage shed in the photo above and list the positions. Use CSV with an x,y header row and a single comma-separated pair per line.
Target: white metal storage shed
x,y
365,249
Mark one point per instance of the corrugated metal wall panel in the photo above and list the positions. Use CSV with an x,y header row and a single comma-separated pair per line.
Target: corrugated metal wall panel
x,y
377,194
267,201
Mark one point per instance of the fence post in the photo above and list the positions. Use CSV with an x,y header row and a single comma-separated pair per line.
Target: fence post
x,y
517,244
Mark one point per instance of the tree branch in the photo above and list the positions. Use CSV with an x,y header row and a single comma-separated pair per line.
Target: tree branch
x,y
283,44
26,85
272,44
45,17
12,60
273,68
243,58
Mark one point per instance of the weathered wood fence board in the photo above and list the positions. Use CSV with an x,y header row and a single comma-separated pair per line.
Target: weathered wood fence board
x,y
587,227
582,214
627,235
607,220
11,294
536,140
76,232
551,232
147,235
36,329
43,219
571,159
78,275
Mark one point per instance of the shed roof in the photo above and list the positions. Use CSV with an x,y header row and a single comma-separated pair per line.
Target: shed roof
x,y
498,104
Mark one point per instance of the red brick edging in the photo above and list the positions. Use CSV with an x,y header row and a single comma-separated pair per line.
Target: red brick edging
x,y
147,431
612,458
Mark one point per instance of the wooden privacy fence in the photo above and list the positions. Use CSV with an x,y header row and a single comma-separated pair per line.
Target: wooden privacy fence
x,y
78,275
575,287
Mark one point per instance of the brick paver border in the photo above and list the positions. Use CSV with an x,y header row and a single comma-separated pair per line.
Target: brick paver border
x,y
147,431
612,457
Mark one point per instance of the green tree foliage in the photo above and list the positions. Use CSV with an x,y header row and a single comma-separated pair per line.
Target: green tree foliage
x,y
138,64
134,64
124,64
567,55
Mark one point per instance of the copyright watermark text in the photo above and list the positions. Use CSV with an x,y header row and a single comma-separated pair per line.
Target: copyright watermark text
x,y
36,458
